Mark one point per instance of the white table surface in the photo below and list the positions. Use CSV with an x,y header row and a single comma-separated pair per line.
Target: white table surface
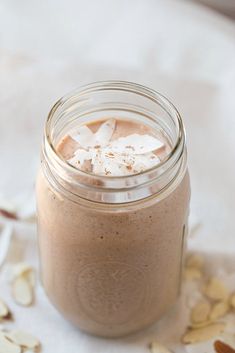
x,y
183,50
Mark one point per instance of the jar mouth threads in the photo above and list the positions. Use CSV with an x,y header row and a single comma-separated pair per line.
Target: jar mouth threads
x,y
118,98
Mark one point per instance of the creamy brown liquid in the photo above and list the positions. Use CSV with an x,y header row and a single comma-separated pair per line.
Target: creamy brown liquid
x,y
111,272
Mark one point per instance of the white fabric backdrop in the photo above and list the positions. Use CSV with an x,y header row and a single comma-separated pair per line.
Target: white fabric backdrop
x,y
179,48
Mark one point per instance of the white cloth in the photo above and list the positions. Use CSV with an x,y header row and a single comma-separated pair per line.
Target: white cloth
x,y
180,49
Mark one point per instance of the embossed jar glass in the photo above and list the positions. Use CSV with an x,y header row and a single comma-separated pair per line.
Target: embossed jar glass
x,y
111,248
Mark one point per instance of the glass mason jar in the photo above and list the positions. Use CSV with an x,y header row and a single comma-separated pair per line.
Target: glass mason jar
x,y
111,248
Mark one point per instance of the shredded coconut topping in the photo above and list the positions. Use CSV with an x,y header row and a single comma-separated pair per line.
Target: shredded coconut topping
x,y
99,154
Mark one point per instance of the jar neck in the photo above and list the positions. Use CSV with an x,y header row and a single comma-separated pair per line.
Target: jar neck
x,y
122,99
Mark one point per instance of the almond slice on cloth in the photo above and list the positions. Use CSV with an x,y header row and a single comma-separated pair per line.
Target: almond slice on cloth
x,y
209,346
23,207
5,240
200,324
219,310
191,274
200,312
8,208
199,347
5,313
23,269
195,261
23,339
203,334
8,214
216,289
22,291
156,347
7,346
221,347
3,309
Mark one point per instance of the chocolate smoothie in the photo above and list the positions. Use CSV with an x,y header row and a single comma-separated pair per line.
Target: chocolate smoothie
x,y
113,268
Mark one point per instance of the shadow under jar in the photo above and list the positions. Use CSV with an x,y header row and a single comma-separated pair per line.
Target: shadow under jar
x,y
111,248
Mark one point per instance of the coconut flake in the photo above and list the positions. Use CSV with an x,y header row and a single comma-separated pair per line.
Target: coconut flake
x,y
80,157
121,164
136,144
108,167
84,136
105,132
143,162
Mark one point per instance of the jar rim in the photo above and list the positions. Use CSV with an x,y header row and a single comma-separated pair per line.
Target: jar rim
x,y
125,86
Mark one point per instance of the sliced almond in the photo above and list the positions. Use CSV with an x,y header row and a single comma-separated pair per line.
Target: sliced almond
x,y
25,270
23,339
8,347
7,214
3,309
200,312
191,273
219,310
228,337
156,347
203,334
216,289
221,347
31,278
22,291
201,347
5,313
200,324
193,298
21,268
5,241
195,261
232,301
